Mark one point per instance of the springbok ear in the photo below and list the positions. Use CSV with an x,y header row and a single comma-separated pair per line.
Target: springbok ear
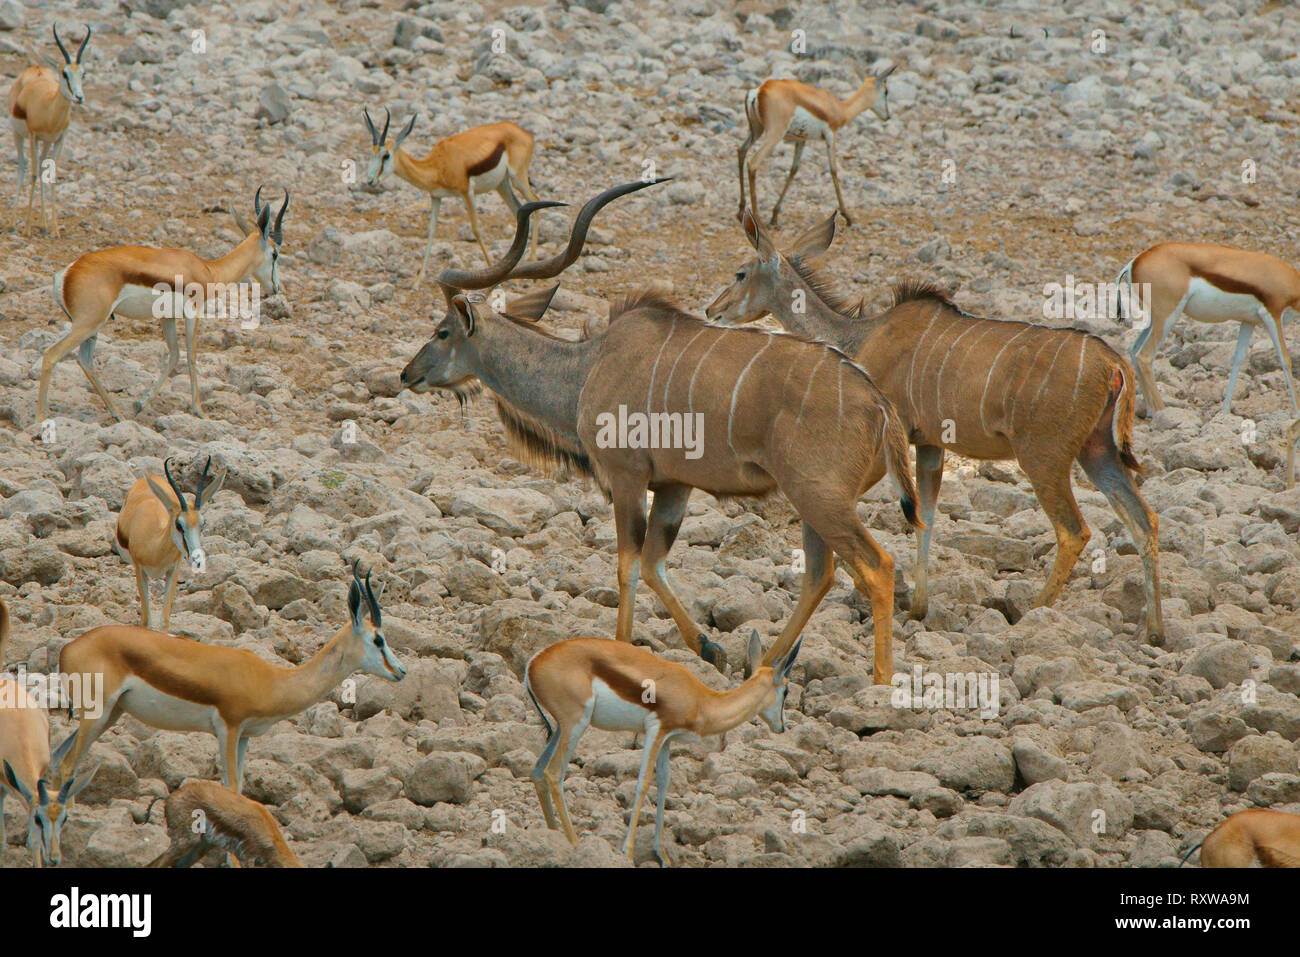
x,y
264,220
815,241
753,654
76,784
783,665
167,499
241,223
62,750
884,75
214,487
17,785
532,306
465,310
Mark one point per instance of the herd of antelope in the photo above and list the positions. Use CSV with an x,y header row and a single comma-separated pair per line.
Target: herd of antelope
x,y
821,411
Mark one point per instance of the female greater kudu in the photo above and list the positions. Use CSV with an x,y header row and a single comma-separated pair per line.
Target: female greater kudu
x,y
984,388
773,411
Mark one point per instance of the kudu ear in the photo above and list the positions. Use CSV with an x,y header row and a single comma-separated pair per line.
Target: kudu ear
x,y
464,310
816,240
532,306
753,654
760,240
168,500
750,225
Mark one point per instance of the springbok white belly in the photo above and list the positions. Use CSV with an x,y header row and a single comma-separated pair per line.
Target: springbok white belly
x,y
1209,303
139,302
804,126
612,713
161,710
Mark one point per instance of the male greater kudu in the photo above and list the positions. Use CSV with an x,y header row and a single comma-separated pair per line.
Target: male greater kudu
x,y
775,412
984,388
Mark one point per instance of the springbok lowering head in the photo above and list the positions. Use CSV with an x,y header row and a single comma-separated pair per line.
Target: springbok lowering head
x,y
614,686
139,282
158,527
226,821
183,685
1210,283
786,110
40,104
478,160
25,764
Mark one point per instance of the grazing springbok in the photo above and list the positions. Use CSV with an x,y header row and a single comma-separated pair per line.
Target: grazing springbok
x,y
140,282
40,105
158,527
476,161
786,110
25,764
663,402
181,685
1270,837
982,388
1212,283
598,683
204,816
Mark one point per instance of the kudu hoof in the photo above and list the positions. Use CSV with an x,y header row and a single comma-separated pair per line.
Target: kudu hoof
x,y
712,652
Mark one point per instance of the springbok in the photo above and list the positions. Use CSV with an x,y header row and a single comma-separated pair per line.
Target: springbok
x,y
140,282
773,412
1211,283
203,816
1270,837
478,160
157,527
984,388
40,105
595,682
786,110
181,685
25,763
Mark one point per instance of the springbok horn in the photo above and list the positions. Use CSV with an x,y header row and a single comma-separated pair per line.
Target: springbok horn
x,y
370,125
275,230
203,480
82,49
388,118
547,268
167,471
373,602
257,203
454,280
62,48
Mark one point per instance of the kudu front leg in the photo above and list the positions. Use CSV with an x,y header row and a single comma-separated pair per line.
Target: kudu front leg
x,y
630,532
819,574
666,516
1052,486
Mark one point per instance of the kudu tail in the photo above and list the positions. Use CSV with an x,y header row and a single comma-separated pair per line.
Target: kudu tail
x,y
1122,394
1125,278
898,464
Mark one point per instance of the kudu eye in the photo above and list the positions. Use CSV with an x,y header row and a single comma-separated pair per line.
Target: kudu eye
x,y
443,333
740,276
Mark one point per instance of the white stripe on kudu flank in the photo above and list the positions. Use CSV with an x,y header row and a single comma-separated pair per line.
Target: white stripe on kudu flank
x,y
736,391
649,392
839,391
669,382
1079,376
808,388
911,370
690,390
989,379
1043,342
1048,377
938,378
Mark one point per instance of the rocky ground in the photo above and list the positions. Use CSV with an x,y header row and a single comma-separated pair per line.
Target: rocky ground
x,y
1014,158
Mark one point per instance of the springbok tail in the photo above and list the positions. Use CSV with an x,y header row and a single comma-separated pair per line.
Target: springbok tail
x,y
528,686
898,464
1121,426
1125,277
4,630
1190,851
